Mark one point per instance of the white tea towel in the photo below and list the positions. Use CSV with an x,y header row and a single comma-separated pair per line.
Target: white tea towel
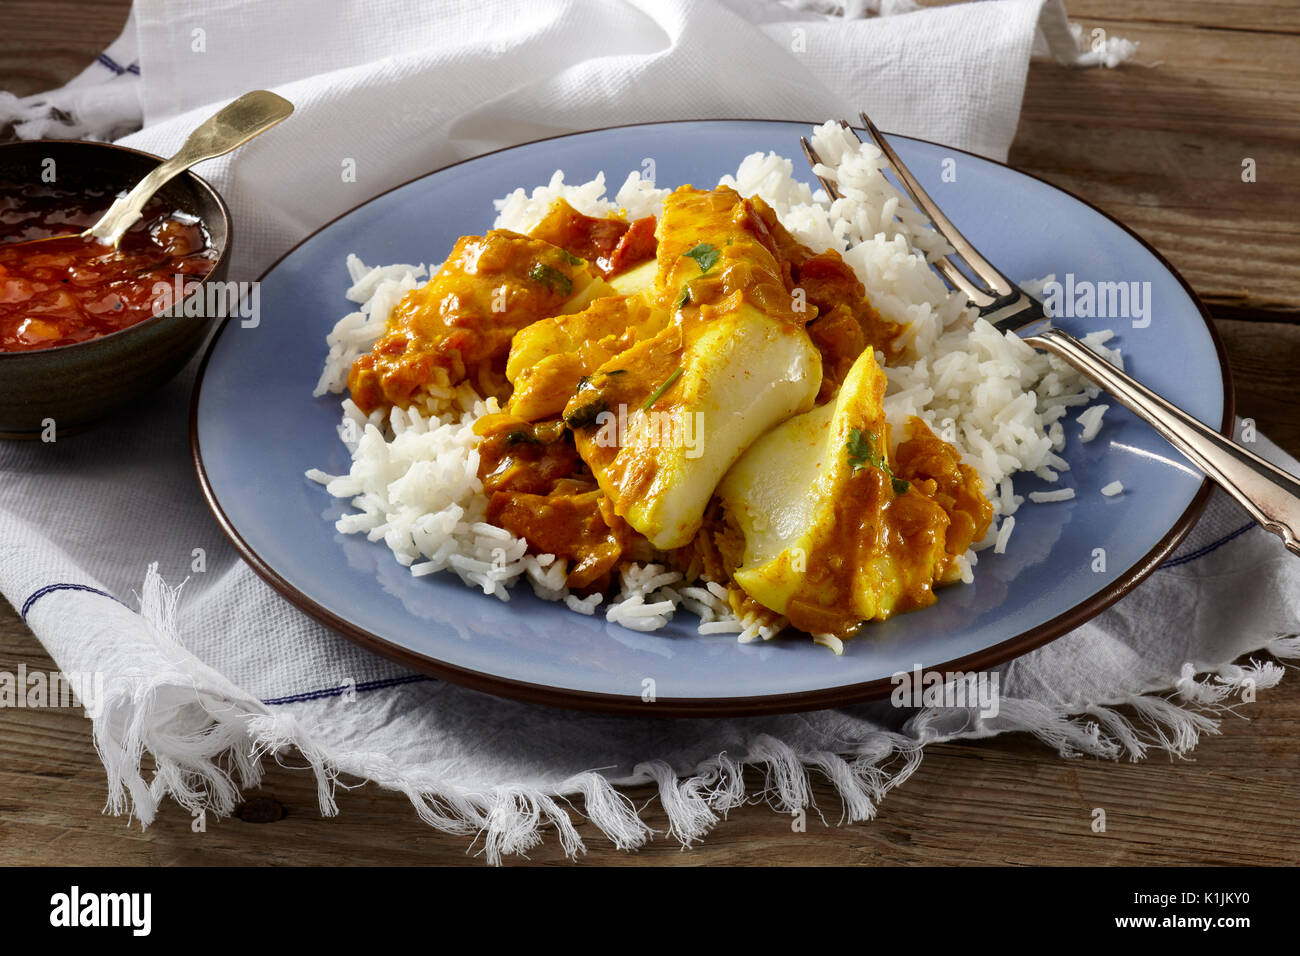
x,y
226,672
401,87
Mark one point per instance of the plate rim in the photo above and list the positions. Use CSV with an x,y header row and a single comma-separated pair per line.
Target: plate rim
x,y
702,707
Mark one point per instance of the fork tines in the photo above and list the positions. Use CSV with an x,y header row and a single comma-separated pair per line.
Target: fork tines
x,y
996,286
814,161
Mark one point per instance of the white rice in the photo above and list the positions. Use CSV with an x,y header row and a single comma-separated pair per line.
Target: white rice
x,y
635,199
1090,419
1004,535
1063,494
1112,489
831,641
585,605
377,291
413,479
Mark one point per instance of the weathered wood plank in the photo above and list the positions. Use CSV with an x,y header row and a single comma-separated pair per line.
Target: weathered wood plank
x,y
1264,16
1162,150
1265,360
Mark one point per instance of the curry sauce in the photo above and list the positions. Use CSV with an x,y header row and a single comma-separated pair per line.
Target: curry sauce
x,y
702,390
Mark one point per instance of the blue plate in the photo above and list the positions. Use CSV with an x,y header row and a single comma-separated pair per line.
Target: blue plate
x,y
251,454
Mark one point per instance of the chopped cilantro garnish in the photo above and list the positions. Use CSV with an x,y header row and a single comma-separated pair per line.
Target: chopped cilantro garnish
x,y
705,255
862,449
684,298
522,437
862,452
574,260
553,279
668,382
586,415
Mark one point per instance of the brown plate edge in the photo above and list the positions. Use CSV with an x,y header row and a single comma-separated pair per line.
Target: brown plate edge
x,y
698,707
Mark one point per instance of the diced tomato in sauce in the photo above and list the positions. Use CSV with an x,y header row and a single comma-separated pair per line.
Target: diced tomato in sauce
x,y
611,245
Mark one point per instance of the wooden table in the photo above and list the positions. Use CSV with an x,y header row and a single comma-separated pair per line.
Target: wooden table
x,y
1159,147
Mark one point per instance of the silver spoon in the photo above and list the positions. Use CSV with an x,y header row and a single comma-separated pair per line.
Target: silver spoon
x,y
229,128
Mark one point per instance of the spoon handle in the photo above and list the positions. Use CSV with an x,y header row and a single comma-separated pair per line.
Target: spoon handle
x,y
231,127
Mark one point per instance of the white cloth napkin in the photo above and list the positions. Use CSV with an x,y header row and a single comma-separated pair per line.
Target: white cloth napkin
x,y
224,671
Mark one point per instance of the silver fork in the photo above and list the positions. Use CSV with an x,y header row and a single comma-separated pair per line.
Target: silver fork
x,y
1269,495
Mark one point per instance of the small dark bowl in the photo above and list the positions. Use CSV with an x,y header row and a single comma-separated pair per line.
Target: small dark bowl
x,y
77,385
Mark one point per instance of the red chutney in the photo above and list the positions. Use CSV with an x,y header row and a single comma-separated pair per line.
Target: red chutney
x,y
72,289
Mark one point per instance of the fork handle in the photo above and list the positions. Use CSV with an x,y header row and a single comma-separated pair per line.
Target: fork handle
x,y
1269,494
